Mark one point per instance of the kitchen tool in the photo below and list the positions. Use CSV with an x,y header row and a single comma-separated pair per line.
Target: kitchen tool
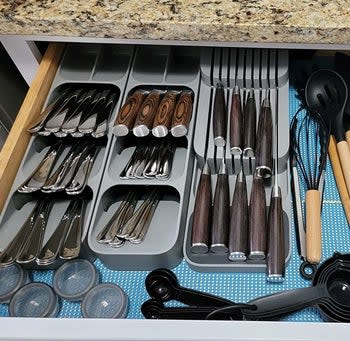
x,y
33,244
164,115
71,123
236,123
49,252
34,300
146,113
238,231
249,125
128,112
105,300
182,114
39,122
202,213
221,212
219,116
263,157
275,225
13,249
12,278
257,220
41,173
326,93
162,285
103,117
74,279
329,293
309,144
54,123
70,248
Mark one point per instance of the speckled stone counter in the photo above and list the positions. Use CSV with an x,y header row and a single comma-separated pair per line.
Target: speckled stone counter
x,y
286,21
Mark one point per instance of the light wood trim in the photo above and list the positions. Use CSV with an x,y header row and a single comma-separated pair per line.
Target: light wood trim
x,y
339,178
18,139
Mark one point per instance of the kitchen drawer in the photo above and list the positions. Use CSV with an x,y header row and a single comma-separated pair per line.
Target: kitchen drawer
x,y
235,286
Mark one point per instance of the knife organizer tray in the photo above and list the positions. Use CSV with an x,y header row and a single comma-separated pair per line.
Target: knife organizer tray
x,y
248,68
83,65
153,68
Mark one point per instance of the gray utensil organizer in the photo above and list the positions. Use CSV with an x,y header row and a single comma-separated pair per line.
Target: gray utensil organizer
x,y
256,69
157,67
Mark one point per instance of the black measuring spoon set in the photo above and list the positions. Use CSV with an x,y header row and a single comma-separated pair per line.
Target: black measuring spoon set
x,y
330,293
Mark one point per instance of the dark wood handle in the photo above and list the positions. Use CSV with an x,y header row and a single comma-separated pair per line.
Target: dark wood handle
x,y
146,113
221,215
236,124
276,248
219,117
165,110
264,138
202,216
182,114
238,240
249,124
257,220
129,110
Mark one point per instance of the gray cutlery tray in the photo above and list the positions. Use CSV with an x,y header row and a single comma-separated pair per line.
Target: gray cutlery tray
x,y
159,68
231,66
81,64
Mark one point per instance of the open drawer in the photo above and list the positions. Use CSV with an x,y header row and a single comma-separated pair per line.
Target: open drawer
x,y
237,286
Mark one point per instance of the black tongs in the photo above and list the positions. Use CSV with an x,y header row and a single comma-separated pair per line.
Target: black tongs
x,y
162,285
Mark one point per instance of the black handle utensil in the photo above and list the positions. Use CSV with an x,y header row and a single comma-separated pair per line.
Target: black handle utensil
x,y
236,123
249,125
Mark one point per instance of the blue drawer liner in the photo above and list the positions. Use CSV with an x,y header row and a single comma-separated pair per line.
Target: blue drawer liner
x,y
239,287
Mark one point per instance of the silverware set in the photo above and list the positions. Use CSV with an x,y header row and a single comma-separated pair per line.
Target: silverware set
x,y
76,112
128,222
65,242
70,176
156,112
150,161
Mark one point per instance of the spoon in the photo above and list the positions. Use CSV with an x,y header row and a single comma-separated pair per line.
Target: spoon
x,y
326,93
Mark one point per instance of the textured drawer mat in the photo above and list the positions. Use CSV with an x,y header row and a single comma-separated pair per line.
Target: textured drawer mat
x,y
239,287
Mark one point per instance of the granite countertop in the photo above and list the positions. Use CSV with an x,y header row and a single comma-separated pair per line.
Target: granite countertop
x,y
287,21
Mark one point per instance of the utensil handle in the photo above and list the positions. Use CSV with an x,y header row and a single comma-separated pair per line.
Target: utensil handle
x,y
165,110
219,117
238,239
127,113
344,156
145,115
249,125
285,302
313,226
339,178
257,219
264,138
202,215
275,228
236,125
182,114
221,214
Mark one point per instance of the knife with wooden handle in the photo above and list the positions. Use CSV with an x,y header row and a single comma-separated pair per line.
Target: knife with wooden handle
x,y
257,220
202,213
236,123
249,125
221,212
146,113
264,134
182,114
164,115
219,117
238,238
128,112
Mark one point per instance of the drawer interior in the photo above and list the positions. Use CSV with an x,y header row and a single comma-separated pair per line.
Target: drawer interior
x,y
158,66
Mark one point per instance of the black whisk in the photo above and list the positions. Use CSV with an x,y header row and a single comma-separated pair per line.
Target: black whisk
x,y
309,144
